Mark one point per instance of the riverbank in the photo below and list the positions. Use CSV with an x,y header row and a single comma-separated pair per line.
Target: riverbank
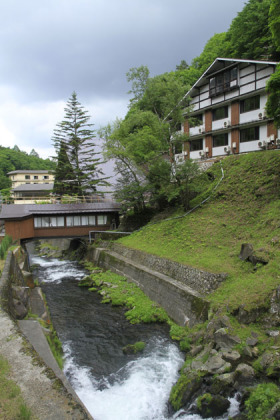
x,y
44,389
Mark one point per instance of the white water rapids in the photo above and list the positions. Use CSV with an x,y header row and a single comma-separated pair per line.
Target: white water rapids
x,y
140,389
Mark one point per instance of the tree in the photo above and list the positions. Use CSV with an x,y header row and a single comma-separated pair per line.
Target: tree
x,y
182,66
249,35
33,153
215,47
65,181
274,22
142,144
139,77
273,85
73,138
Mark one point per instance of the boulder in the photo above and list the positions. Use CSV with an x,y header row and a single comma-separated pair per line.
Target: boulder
x,y
230,355
224,340
251,341
216,365
212,405
21,294
222,384
20,310
244,375
246,251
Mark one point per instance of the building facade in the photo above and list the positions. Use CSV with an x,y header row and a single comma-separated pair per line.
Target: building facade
x,y
58,220
227,111
30,177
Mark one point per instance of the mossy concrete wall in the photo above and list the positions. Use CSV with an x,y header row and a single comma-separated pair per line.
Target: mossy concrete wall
x,y
11,275
200,280
183,304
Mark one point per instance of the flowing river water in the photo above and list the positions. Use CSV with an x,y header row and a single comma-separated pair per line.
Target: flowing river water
x,y
112,385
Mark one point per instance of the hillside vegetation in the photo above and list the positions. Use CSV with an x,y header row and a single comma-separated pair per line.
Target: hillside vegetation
x,y
244,208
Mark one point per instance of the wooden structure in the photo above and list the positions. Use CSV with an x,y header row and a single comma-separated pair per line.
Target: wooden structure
x,y
26,221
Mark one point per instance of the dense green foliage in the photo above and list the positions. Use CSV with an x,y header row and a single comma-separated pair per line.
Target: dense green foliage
x,y
78,168
273,86
14,159
249,35
261,401
141,145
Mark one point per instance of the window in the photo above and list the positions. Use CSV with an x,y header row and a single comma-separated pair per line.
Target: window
x,y
220,113
70,221
84,220
249,104
27,176
196,120
223,82
102,219
46,222
220,140
35,177
46,177
249,134
196,145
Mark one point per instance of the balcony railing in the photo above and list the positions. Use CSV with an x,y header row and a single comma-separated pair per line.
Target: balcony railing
x,y
58,199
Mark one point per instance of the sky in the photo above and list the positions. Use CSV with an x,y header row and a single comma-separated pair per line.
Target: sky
x,y
51,48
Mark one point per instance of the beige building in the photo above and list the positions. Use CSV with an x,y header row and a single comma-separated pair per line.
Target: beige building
x,y
30,177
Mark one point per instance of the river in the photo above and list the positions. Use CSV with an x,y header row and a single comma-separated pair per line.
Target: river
x,y
112,385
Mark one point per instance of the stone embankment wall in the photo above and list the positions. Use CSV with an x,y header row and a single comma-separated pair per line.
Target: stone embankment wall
x,y
177,288
14,286
199,280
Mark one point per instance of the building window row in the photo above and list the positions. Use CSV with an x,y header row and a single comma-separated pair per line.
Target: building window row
x,y
246,105
219,140
35,177
70,221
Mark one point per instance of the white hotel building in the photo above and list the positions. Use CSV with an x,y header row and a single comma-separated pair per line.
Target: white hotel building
x,y
228,110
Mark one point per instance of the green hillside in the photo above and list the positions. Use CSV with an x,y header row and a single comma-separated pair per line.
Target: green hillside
x,y
245,208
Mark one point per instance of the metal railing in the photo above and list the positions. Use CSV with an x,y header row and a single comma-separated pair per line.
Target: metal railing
x,y
49,199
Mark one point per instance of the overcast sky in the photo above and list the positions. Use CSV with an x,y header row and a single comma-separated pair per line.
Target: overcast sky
x,y
50,48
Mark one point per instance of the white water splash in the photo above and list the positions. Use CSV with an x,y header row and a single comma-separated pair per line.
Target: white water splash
x,y
140,389
56,270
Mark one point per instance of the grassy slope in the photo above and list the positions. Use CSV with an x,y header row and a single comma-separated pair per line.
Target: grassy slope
x,y
244,208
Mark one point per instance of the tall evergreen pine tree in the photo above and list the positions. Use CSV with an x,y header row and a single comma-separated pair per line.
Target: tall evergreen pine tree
x,y
78,167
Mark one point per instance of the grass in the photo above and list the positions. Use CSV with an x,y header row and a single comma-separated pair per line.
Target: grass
x,y
12,406
118,291
244,208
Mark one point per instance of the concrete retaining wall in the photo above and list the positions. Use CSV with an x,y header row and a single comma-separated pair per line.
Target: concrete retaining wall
x,y
183,304
11,275
199,280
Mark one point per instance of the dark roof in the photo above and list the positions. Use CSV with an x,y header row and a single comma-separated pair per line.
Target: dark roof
x,y
19,211
33,187
27,171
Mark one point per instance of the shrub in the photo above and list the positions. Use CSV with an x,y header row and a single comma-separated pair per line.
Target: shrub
x,y
261,400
